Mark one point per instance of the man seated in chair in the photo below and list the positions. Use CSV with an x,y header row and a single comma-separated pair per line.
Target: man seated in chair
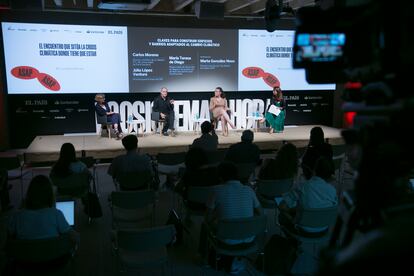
x,y
165,106
231,200
245,151
130,162
208,140
316,192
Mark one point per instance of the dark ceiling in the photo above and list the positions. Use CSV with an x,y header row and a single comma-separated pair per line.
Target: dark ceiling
x,y
248,8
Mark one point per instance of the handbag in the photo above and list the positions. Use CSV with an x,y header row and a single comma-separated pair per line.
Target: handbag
x,y
92,205
175,220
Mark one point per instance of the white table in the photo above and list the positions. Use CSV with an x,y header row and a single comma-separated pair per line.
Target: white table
x,y
197,123
256,120
134,125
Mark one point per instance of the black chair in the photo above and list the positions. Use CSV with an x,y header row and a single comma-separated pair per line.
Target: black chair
x,y
215,121
14,168
103,121
50,256
216,157
133,181
155,116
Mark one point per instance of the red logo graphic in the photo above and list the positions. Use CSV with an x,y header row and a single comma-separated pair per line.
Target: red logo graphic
x,y
271,80
48,81
253,72
25,72
257,72
28,73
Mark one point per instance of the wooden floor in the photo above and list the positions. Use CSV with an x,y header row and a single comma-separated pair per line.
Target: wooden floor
x,y
46,148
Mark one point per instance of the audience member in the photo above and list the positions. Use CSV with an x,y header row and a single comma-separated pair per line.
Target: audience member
x,y
197,172
67,163
208,140
130,162
165,106
39,219
284,166
102,109
231,200
244,151
316,192
316,148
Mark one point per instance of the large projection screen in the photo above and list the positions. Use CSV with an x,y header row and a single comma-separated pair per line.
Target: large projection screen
x,y
67,59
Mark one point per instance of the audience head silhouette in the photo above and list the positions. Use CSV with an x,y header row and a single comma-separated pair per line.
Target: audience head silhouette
x,y
195,158
39,194
247,136
324,168
227,171
130,142
317,136
67,155
287,160
206,127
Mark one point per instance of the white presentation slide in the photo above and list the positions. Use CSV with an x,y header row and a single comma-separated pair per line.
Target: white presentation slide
x,y
265,60
44,58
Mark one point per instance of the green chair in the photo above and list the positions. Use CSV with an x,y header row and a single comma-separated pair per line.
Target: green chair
x,y
130,208
133,181
137,250
43,256
237,229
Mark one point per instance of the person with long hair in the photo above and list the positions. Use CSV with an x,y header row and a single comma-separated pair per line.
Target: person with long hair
x,y
220,110
316,148
276,122
67,163
39,219
102,108
284,166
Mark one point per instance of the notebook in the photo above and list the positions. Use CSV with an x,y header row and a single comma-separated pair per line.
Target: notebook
x,y
67,207
274,110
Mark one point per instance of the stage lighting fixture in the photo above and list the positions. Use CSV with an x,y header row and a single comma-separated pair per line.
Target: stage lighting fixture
x,y
209,10
127,5
26,5
272,14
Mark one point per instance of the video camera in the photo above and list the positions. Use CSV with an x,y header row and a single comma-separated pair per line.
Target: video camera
x,y
365,42
368,45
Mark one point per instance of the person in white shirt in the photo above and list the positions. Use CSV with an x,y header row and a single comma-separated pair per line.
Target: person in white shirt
x,y
317,192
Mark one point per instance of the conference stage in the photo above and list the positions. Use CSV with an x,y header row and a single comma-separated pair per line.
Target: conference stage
x,y
46,148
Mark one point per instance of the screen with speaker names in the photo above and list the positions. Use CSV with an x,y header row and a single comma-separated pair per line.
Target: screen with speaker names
x,y
60,59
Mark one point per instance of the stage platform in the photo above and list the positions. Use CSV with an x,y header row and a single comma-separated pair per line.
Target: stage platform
x,y
46,148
